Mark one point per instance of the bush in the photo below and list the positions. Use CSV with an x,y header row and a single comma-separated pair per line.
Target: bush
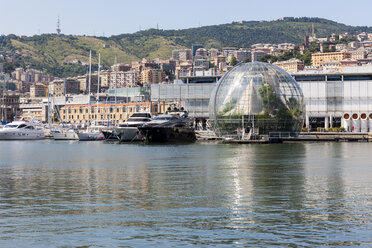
x,y
336,129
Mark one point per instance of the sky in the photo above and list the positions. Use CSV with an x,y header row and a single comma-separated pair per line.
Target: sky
x,y
113,17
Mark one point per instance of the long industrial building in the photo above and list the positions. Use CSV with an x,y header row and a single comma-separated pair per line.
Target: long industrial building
x,y
338,99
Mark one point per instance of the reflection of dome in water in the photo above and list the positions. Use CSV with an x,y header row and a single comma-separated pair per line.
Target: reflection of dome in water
x,y
258,95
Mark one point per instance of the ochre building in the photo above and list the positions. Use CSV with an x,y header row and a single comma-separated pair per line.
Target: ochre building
x,y
79,114
318,59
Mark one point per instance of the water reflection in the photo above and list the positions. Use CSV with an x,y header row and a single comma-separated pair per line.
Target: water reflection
x,y
100,194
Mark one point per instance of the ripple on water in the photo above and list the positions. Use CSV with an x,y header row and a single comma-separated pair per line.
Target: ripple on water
x,y
105,195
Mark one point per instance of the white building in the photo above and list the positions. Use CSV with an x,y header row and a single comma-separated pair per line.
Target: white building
x,y
338,99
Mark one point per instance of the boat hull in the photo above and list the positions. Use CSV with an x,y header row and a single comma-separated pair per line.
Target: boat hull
x,y
128,134
65,136
90,136
21,135
110,135
168,134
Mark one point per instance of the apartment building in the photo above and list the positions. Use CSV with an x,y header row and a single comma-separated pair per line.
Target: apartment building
x,y
152,76
9,107
182,54
57,87
318,59
123,79
292,65
38,90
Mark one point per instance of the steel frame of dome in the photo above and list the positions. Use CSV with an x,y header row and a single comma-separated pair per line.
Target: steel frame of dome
x,y
257,97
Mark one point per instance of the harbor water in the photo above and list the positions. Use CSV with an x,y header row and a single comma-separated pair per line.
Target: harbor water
x,y
97,194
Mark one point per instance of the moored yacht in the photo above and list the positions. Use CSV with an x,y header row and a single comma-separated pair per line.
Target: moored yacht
x,y
92,133
21,130
109,134
173,126
128,131
65,134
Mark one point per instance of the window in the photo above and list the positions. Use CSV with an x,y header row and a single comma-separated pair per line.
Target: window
x,y
358,78
334,78
310,78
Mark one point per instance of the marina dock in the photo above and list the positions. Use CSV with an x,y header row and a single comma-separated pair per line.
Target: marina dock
x,y
303,137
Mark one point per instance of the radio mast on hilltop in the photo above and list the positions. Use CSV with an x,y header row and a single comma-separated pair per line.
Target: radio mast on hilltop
x,y
58,27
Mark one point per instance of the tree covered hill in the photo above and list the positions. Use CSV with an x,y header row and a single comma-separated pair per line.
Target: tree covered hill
x,y
67,55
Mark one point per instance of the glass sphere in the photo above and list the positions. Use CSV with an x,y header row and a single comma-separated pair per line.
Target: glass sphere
x,y
259,98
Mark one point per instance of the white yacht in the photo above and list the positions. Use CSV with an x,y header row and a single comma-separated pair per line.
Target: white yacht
x,y
65,134
91,133
128,131
21,130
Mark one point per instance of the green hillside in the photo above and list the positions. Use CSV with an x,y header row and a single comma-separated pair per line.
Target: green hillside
x,y
67,55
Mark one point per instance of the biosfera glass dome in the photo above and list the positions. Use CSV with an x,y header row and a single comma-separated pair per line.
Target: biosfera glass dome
x,y
257,97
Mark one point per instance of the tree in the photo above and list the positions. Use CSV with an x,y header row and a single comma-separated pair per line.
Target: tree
x,y
233,61
9,67
266,58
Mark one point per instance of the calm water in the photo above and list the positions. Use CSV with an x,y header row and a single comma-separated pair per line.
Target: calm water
x,y
71,194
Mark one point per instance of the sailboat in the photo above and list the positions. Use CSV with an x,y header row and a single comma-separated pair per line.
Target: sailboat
x,y
64,131
93,131
109,132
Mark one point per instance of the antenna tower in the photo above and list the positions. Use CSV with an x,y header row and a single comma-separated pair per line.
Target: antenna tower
x,y
58,27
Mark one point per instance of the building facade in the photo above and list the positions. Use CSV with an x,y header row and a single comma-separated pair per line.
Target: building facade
x,y
152,76
182,54
193,97
291,66
9,104
338,99
83,114
60,87
318,59
38,90
123,79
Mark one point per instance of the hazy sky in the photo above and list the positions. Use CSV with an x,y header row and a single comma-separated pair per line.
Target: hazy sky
x,y
111,17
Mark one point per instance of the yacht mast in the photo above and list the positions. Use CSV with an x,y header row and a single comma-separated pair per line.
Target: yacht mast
x,y
89,82
97,99
3,102
49,117
64,83
116,79
126,84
